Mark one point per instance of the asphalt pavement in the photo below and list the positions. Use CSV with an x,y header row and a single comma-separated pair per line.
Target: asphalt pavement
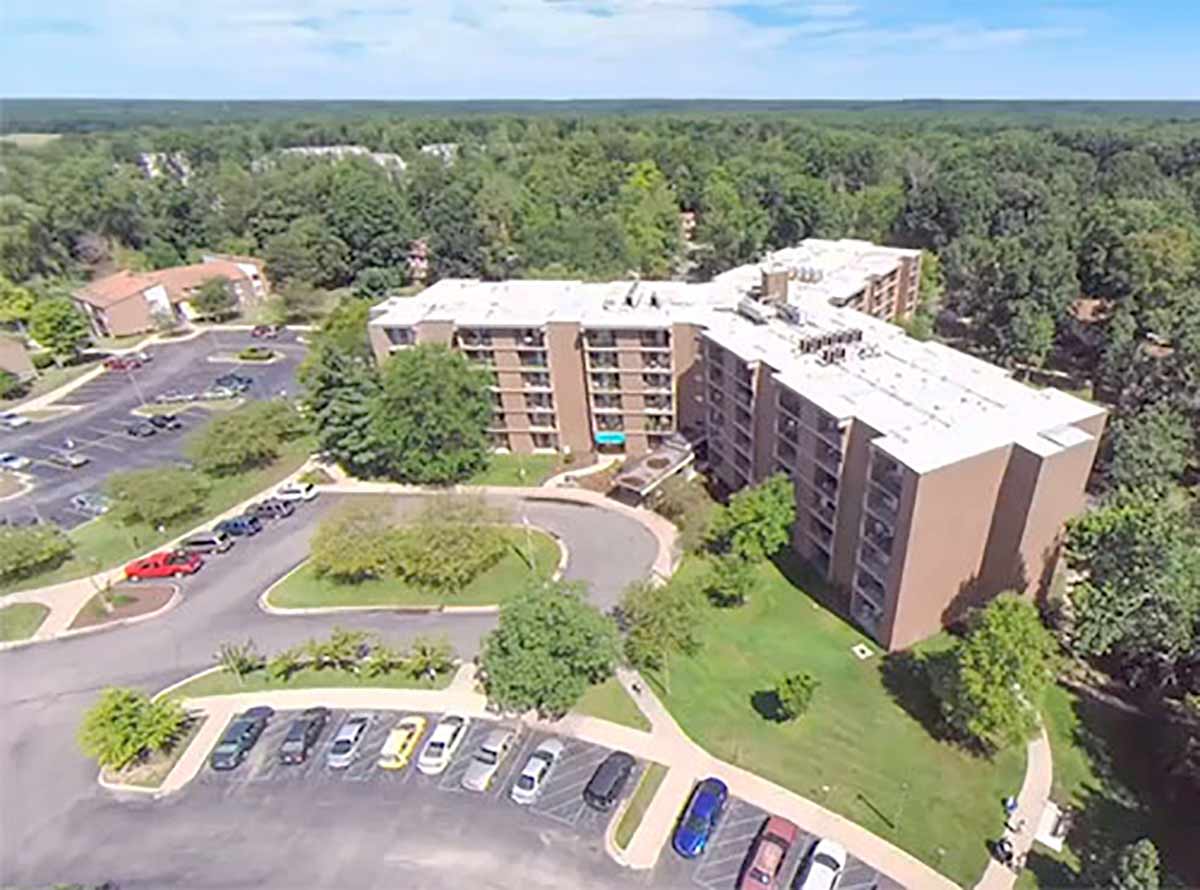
x,y
57,824
101,413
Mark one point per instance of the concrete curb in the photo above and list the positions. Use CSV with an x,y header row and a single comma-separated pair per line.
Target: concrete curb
x,y
175,600
232,359
215,669
119,788
26,487
37,403
610,831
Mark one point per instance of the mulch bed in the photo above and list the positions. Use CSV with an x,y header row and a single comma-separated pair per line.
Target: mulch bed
x,y
130,600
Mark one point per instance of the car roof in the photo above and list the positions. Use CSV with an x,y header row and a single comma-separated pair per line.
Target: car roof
x,y
781,828
496,737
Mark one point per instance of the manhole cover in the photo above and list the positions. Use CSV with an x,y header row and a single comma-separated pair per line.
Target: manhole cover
x,y
861,651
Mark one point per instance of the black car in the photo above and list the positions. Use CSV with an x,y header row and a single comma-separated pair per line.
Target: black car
x,y
272,508
239,526
140,430
302,735
608,781
239,738
239,382
165,422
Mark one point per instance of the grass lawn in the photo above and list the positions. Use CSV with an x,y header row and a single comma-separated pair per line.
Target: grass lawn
x,y
21,621
1109,769
103,543
303,588
177,407
48,379
152,772
646,789
863,750
225,683
517,470
610,701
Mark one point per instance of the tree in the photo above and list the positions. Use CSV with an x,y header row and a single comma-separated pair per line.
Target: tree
x,y
731,580
125,725
992,687
661,621
16,303
156,496
687,504
215,298
59,327
429,656
430,418
449,544
342,651
285,663
1151,448
795,693
374,283
731,231
757,522
239,659
244,438
352,544
549,647
1136,868
649,215
308,252
27,551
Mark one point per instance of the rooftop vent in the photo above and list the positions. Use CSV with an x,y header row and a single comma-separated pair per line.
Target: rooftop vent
x,y
757,312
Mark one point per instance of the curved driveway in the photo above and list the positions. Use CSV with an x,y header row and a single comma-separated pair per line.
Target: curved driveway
x,y
57,824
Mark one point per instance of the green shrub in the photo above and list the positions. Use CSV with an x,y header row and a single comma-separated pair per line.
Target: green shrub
x,y
125,725
26,551
41,360
10,385
795,694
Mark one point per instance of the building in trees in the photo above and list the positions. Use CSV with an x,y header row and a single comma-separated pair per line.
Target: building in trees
x,y
129,303
926,480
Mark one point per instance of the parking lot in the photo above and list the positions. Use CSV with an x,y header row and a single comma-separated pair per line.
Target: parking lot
x,y
101,411
720,866
560,803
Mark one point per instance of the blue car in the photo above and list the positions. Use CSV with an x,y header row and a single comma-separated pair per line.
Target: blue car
x,y
700,818
239,526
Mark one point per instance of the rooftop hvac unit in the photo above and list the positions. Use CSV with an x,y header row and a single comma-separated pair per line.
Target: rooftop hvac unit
x,y
754,310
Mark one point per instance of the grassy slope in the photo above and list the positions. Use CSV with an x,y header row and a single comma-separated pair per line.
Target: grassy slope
x,y
303,588
21,621
103,543
859,751
224,683
646,789
610,701
516,470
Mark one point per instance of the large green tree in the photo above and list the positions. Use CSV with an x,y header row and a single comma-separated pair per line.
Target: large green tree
x,y
549,647
757,522
1136,868
58,326
1151,448
992,686
431,415
661,621
26,551
649,214
157,496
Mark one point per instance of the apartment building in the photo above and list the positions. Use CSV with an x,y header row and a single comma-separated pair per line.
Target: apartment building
x,y
926,480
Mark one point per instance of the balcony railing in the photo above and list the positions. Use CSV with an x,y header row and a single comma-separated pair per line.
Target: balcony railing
x,y
829,458
883,505
875,563
879,535
656,361
826,483
533,360
869,587
602,359
655,340
824,511
601,340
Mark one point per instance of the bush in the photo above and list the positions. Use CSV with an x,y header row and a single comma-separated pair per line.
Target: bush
x,y
352,544
156,496
125,725
256,354
41,360
27,551
795,694
11,386
450,544
247,437
687,504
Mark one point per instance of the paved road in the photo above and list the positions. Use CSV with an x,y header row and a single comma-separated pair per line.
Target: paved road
x,y
56,824
98,426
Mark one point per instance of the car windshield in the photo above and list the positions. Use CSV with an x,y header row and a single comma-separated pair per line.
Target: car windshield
x,y
435,749
526,783
292,744
828,861
695,823
341,746
486,756
226,748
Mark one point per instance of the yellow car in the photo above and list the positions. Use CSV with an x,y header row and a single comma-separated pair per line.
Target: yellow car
x,y
401,742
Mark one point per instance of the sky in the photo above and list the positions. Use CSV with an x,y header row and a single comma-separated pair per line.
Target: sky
x,y
561,49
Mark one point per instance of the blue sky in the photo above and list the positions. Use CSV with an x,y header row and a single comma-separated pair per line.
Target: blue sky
x,y
557,49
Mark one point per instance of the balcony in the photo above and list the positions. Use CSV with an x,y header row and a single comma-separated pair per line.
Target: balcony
x,y
829,458
658,403
610,422
602,360
869,588
744,394
743,419
790,404
539,401
742,441
656,340
886,474
659,424
482,357
830,432
788,429
658,382
879,535
530,338
601,340
869,615
536,359
542,420
824,510
535,381
820,532
611,382
785,452
657,362
825,483
716,377
606,402
716,418
883,505
877,565
470,339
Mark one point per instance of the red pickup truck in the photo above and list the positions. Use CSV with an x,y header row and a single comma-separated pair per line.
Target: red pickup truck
x,y
165,564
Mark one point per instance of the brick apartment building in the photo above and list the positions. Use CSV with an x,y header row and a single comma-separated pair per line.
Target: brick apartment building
x,y
926,480
128,302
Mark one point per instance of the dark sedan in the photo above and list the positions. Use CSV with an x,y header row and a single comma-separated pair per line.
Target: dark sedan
x,y
240,737
165,422
302,735
140,430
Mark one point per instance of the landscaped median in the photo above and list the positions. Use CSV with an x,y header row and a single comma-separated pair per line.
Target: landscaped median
x,y
631,818
20,621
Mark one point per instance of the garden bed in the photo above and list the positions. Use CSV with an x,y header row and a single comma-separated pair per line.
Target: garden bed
x,y
128,601
224,683
151,772
651,779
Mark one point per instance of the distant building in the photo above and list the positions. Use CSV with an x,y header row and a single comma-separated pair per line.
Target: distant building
x,y
418,261
387,160
159,163
926,480
14,357
446,152
130,303
687,224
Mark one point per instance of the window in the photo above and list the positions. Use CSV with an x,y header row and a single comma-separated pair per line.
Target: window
x,y
543,440
657,381
610,422
400,336
605,381
536,381
602,339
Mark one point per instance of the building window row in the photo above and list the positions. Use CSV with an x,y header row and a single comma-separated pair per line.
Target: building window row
x,y
400,336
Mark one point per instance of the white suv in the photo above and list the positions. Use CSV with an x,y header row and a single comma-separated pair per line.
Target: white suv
x,y
296,491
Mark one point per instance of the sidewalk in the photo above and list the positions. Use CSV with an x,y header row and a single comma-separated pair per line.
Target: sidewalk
x,y
1035,794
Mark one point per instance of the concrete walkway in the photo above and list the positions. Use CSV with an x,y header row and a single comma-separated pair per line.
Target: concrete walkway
x,y
1034,796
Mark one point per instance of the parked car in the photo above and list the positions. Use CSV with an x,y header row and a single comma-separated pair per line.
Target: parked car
x,y
296,491
91,502
217,393
239,738
140,430
239,526
12,420
122,363
142,356
68,460
207,542
265,331
824,867
493,751
165,422
608,781
349,738
302,735
443,742
528,787
10,461
767,855
164,564
234,381
174,395
700,818
271,508
401,742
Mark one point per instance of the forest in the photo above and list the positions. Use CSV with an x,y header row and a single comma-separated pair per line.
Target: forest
x,y
1065,247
